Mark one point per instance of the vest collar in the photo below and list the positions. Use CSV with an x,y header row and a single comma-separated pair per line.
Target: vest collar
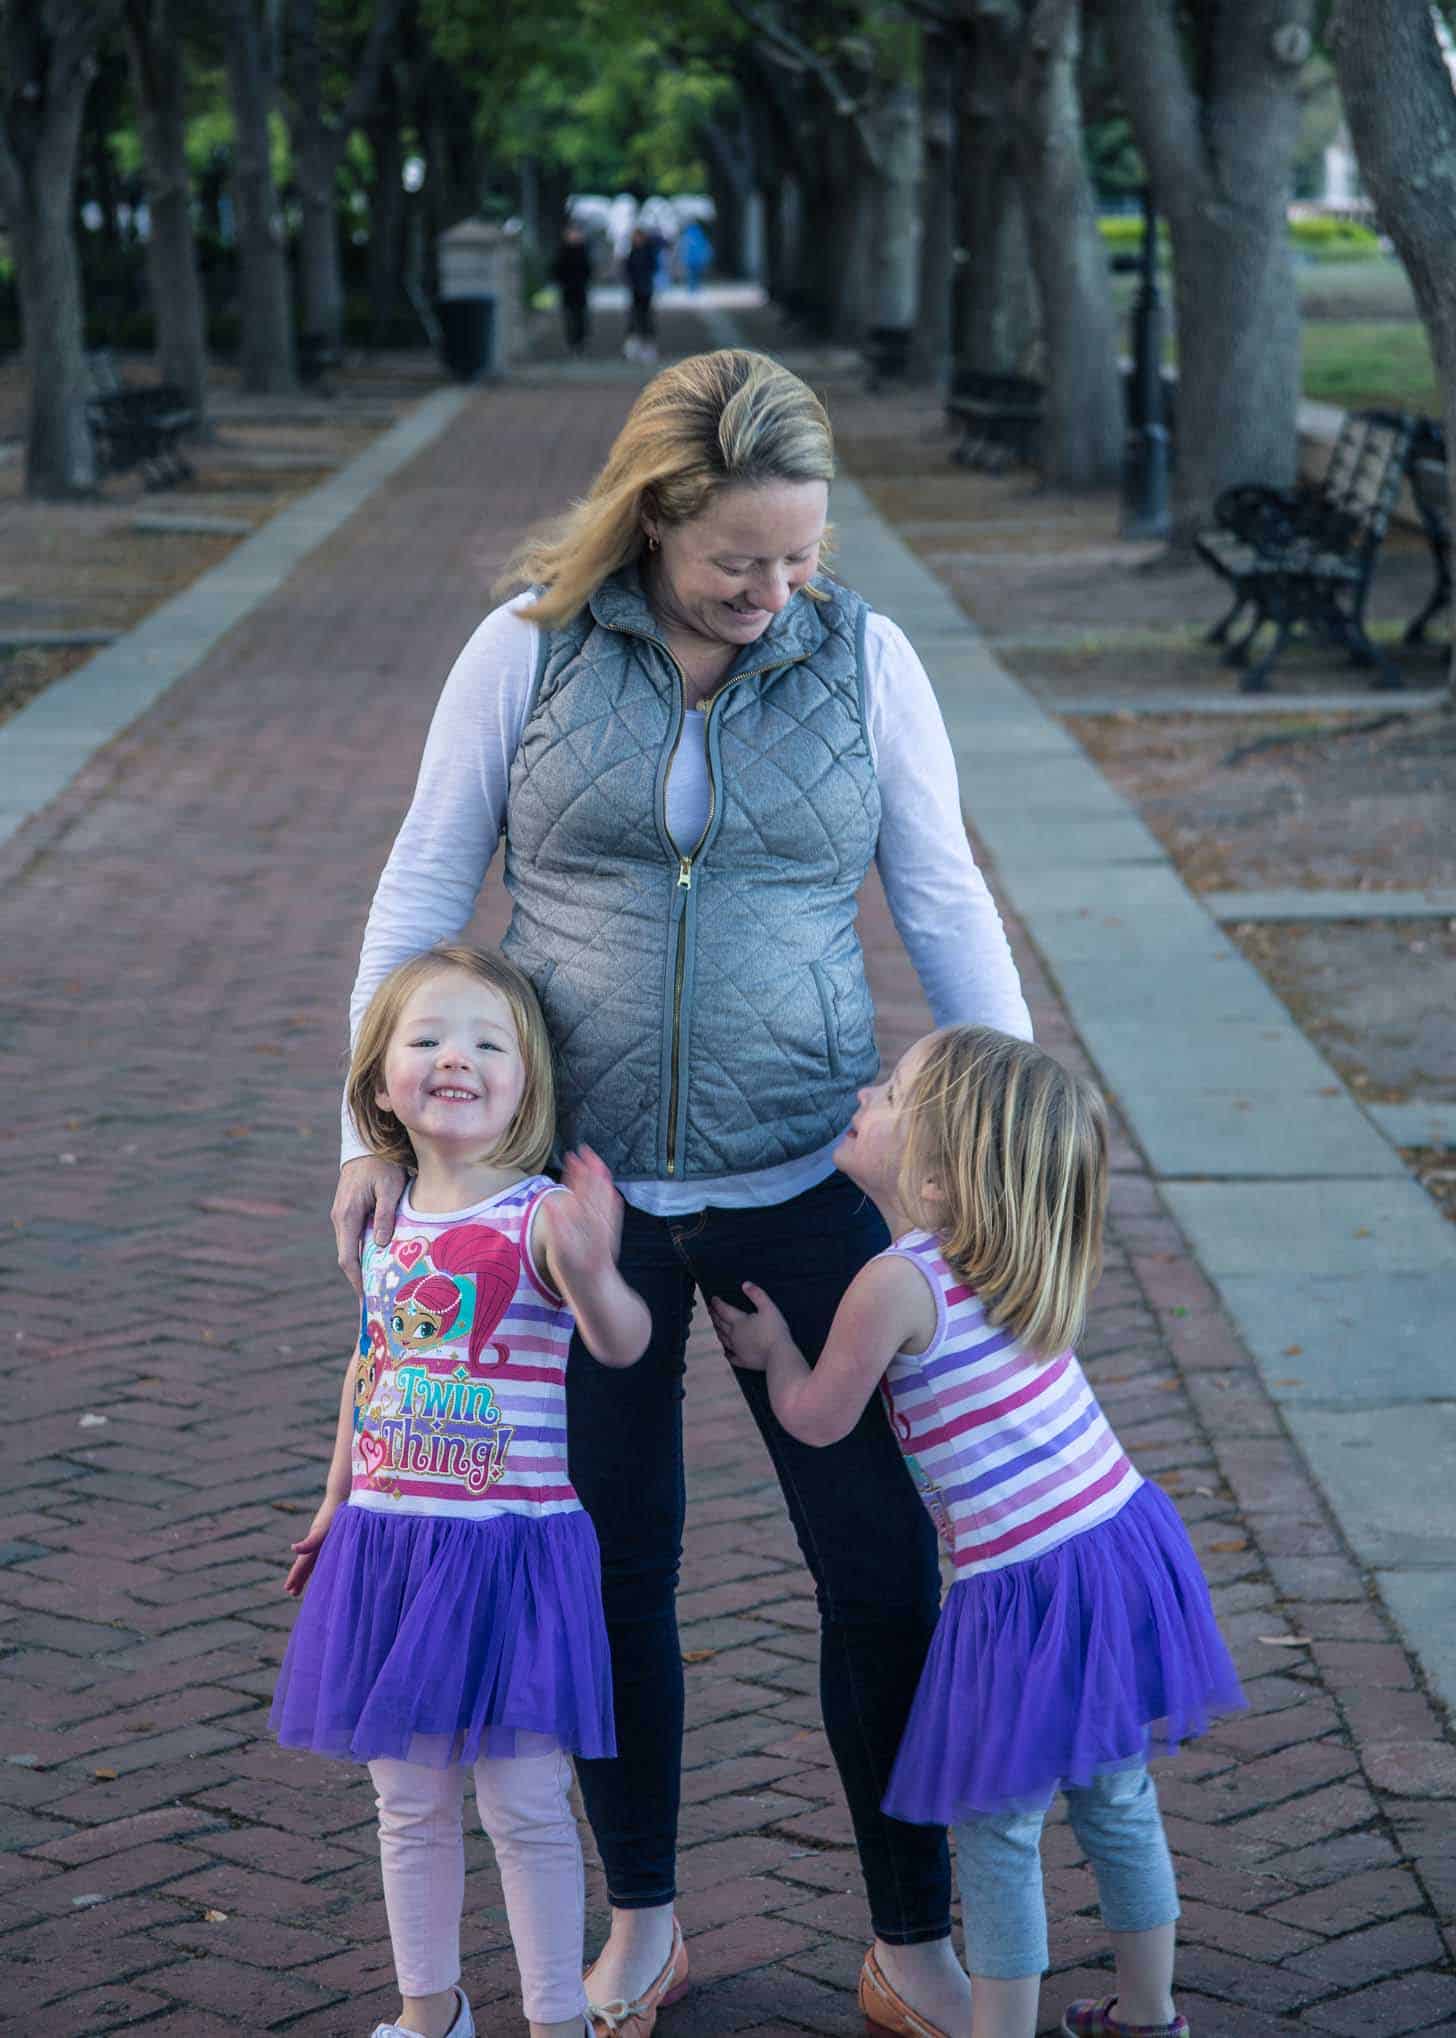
x,y
795,632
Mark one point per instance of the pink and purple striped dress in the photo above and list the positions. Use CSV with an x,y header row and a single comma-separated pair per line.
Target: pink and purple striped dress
x,y
1078,1631
455,1609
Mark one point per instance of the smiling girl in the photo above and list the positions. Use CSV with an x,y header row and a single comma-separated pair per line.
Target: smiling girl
x,y
453,1616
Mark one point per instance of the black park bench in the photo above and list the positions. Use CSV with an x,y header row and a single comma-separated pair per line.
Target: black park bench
x,y
1301,560
139,427
1431,487
999,418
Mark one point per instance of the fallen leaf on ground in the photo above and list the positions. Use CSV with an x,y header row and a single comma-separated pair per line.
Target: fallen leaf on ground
x,y
697,1655
1286,1641
1230,1543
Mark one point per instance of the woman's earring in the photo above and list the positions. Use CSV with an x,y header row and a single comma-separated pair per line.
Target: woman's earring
x,y
652,542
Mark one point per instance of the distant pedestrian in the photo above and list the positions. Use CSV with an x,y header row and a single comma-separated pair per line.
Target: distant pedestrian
x,y
1078,1633
571,272
640,269
453,1613
694,254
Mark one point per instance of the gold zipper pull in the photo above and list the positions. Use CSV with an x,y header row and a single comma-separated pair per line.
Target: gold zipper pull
x,y
684,873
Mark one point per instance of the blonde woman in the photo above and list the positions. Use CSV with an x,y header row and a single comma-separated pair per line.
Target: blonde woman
x,y
696,744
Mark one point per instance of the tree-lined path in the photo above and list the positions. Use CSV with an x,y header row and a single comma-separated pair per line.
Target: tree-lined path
x,y
181,928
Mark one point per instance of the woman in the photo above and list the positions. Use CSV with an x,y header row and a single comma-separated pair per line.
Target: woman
x,y
696,747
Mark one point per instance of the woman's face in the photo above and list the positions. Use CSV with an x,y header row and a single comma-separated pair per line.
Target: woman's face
x,y
725,575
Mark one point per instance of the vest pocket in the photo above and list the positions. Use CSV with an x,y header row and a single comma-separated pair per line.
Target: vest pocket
x,y
849,1026
828,1006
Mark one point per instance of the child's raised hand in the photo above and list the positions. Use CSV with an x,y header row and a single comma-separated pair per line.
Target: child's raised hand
x,y
748,1337
305,1551
584,1227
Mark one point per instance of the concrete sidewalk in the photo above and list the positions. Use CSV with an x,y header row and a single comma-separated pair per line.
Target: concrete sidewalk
x,y
188,908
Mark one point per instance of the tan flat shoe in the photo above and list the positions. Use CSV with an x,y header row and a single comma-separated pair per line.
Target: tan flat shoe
x,y
639,2019
884,2010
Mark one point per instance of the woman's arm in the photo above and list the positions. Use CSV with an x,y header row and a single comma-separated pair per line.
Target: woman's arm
x,y
336,1489
432,878
428,887
937,896
887,1308
576,1234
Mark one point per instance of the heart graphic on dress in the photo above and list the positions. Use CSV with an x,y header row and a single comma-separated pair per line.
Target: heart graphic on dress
x,y
409,1252
375,1453
493,1262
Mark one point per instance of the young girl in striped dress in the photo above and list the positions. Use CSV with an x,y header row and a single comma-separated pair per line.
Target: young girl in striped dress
x,y
453,1618
1078,1634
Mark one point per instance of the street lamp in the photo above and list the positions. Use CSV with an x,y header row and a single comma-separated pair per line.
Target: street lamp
x,y
1145,468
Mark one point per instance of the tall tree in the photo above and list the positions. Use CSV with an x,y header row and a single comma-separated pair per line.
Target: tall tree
x,y
1082,434
323,48
266,353
47,52
1216,115
157,52
1402,114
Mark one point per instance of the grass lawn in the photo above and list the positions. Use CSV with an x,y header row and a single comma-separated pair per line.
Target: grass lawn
x,y
1360,362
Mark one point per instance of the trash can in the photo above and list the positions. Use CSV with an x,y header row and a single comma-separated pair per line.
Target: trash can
x,y
469,325
467,337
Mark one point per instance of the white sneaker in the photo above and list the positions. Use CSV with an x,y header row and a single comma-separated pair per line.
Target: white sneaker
x,y
463,2026
631,349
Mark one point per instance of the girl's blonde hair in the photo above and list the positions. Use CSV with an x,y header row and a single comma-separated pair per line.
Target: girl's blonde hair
x,y
530,1134
710,422
1014,1147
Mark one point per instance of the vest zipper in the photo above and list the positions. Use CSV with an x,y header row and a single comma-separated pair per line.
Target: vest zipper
x,y
685,864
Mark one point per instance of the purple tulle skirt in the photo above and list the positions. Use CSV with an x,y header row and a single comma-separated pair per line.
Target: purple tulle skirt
x,y
440,1639
1046,1672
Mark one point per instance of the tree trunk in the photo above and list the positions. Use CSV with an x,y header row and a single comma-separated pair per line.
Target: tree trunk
x,y
266,354
1220,148
319,139
994,319
1402,116
1083,428
154,44
894,271
321,282
60,460
386,209
46,68
930,344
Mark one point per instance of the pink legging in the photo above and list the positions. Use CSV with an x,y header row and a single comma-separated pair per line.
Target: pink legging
x,y
525,1810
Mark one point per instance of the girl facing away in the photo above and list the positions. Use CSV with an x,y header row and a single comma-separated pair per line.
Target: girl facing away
x,y
1078,1635
453,1617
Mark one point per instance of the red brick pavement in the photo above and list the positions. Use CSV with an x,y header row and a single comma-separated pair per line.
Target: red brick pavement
x,y
181,933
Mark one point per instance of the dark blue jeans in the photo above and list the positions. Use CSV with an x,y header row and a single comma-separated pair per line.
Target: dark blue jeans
x,y
865,1536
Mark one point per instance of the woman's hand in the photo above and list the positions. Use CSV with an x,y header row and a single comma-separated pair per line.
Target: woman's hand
x,y
750,1338
369,1191
305,1551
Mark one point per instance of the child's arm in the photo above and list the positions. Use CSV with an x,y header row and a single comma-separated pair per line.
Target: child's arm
x,y
888,1308
576,1236
336,1490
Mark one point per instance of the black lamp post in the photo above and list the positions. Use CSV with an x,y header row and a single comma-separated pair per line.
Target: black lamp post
x,y
1145,470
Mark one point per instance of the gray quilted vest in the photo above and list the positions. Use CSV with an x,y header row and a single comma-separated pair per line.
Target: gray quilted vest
x,y
707,1000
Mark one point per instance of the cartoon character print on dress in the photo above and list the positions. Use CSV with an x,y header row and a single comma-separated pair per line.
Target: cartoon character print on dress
x,y
428,1425
373,1353
474,1271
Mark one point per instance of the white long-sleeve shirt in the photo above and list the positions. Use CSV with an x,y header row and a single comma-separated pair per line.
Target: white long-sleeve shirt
x,y
937,897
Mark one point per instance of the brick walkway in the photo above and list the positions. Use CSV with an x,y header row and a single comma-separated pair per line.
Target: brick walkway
x,y
188,916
